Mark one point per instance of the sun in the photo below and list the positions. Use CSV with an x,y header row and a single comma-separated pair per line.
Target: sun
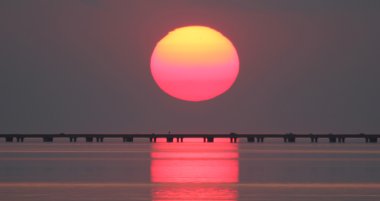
x,y
194,63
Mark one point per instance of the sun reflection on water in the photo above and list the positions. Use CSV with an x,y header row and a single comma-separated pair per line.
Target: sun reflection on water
x,y
194,171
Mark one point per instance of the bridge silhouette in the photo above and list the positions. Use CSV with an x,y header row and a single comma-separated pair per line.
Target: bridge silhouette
x,y
209,138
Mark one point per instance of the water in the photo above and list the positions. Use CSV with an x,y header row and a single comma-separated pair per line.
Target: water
x,y
116,171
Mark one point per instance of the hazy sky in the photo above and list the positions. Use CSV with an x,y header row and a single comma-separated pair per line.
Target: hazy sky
x,y
83,66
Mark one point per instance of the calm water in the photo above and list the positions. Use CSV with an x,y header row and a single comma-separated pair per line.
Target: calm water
x,y
115,171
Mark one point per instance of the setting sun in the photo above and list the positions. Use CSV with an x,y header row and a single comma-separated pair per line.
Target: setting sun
x,y
194,63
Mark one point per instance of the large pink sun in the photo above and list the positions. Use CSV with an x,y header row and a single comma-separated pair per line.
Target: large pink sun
x,y
194,63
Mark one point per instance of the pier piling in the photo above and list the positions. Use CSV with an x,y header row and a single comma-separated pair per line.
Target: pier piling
x,y
250,139
20,139
371,139
47,139
73,139
128,139
8,139
314,139
89,139
169,139
332,139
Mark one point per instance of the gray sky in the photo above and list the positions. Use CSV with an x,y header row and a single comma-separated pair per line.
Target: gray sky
x,y
83,66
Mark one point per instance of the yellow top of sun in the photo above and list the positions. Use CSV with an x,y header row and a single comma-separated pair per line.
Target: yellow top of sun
x,y
195,46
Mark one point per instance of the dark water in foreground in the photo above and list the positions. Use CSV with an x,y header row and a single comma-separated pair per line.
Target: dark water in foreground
x,y
115,171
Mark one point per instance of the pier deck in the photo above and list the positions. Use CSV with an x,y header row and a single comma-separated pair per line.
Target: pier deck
x,y
251,138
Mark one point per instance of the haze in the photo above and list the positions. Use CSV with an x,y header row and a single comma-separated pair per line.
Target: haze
x,y
83,66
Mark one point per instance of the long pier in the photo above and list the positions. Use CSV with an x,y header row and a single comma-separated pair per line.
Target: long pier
x,y
208,138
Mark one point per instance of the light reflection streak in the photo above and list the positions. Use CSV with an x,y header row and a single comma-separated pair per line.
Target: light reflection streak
x,y
194,171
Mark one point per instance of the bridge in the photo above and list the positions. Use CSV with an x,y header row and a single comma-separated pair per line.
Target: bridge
x,y
208,138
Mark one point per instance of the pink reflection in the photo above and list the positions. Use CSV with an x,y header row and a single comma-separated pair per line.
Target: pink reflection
x,y
194,171
194,193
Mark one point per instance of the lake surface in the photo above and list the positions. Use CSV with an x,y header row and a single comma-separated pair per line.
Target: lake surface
x,y
113,171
